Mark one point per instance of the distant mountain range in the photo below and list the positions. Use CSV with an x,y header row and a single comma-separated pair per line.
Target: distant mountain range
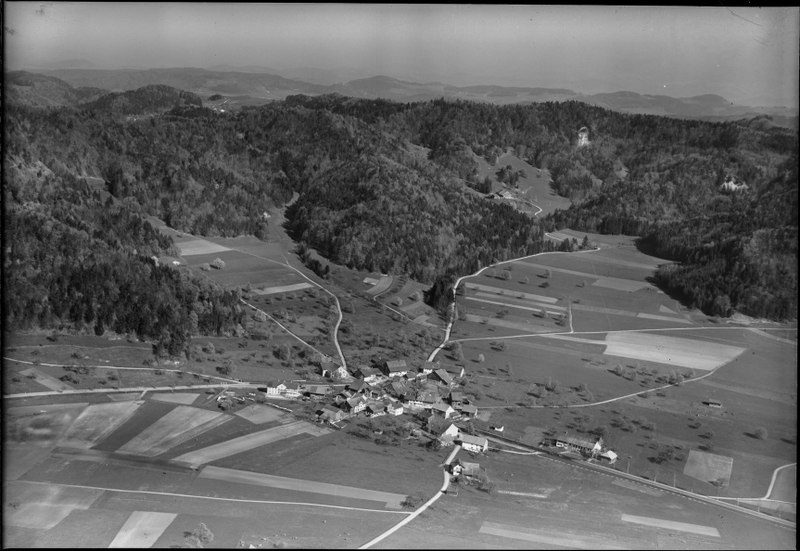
x,y
254,85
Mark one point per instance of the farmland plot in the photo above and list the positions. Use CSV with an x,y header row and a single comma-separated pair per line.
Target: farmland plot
x,y
98,421
179,425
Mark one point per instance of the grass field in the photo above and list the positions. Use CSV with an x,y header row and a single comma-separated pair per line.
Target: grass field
x,y
574,508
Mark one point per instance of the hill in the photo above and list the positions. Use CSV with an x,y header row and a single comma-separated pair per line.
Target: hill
x,y
262,84
381,186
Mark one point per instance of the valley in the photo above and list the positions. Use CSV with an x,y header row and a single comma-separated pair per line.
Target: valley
x,y
307,324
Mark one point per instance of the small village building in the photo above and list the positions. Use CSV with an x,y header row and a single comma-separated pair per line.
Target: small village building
x,y
375,409
445,410
456,398
276,389
610,456
733,184
317,392
358,385
394,408
330,413
455,371
399,389
355,405
581,445
468,411
395,368
477,444
369,374
428,367
442,376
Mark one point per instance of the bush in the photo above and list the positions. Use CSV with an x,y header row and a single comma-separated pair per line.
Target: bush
x,y
218,263
761,433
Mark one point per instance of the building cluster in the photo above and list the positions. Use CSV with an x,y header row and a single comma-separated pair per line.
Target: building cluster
x,y
392,388
586,447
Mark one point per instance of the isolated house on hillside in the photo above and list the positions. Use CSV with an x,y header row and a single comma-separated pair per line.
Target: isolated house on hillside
x,y
583,136
733,184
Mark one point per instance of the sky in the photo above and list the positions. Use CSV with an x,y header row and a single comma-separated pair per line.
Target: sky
x,y
747,55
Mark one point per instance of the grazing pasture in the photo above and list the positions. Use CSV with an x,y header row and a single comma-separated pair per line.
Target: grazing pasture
x,y
708,467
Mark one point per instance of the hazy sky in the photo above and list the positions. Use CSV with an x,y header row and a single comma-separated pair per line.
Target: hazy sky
x,y
748,55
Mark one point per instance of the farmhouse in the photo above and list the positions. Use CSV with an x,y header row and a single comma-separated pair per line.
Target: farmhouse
x,y
440,375
394,408
394,368
445,432
329,368
317,392
375,409
399,389
428,367
359,385
582,445
355,405
477,444
456,370
468,411
456,398
369,374
274,389
610,456
330,413
440,408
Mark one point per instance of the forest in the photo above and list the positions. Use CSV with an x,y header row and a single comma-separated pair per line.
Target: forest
x,y
381,186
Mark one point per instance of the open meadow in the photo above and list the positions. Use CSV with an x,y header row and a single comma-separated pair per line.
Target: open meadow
x,y
581,343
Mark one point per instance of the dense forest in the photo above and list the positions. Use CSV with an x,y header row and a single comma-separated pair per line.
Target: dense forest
x,y
381,186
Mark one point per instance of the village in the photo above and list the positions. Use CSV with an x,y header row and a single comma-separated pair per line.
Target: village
x,y
429,397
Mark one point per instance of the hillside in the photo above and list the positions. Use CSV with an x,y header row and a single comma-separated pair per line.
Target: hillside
x,y
368,198
262,84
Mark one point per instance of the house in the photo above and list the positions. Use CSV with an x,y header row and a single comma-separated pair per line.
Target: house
x,y
455,371
440,375
276,389
731,183
330,413
713,403
445,410
399,389
355,405
428,367
426,398
468,411
610,456
394,368
329,368
582,445
293,390
375,409
444,431
456,398
469,469
583,136
369,374
394,408
477,444
358,386
317,392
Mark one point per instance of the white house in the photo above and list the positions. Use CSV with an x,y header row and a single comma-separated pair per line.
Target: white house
x,y
445,410
477,444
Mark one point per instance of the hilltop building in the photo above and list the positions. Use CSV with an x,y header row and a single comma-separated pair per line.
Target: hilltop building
x,y
583,136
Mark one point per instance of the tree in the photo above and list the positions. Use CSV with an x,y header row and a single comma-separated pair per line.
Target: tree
x,y
199,537
585,244
760,433
218,263
481,358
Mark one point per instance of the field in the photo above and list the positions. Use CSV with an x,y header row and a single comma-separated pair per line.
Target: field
x,y
534,187
572,330
574,508
261,475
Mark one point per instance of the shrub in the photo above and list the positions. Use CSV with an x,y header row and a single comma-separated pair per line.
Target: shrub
x,y
760,433
218,263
